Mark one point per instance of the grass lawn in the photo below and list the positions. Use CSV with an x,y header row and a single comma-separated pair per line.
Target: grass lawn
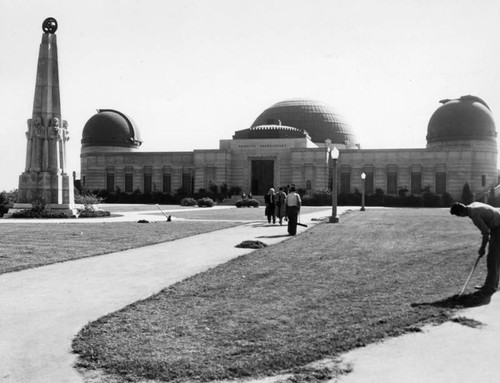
x,y
330,289
27,245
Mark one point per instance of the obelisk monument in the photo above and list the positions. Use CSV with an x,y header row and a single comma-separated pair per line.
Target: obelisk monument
x,y
44,179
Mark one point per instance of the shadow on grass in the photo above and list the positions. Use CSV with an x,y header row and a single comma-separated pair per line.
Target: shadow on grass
x,y
455,301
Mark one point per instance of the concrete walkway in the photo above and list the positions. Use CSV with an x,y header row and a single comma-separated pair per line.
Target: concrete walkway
x,y
450,352
42,309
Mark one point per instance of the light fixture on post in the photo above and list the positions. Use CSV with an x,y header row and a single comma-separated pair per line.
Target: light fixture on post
x,y
334,156
363,177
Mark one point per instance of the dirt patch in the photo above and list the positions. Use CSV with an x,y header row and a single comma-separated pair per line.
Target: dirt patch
x,y
252,245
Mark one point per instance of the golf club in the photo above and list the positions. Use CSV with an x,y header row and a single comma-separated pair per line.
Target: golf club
x,y
165,214
300,224
470,275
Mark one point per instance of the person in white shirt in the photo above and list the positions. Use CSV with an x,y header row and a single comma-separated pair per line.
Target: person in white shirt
x,y
487,220
293,204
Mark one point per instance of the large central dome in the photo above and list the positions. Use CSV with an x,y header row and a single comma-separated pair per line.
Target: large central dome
x,y
319,120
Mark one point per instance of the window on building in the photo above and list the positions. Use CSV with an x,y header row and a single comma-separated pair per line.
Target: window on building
x,y
209,177
110,179
392,183
110,182
308,185
416,183
129,179
483,180
187,182
148,179
83,180
440,183
345,182
369,183
167,183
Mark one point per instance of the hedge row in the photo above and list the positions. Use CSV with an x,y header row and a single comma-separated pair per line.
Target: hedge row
x,y
425,199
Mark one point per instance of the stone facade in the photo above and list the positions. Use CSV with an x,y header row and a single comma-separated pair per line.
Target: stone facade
x,y
267,156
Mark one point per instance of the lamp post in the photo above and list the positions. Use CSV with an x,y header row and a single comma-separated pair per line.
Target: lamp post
x,y
334,155
363,177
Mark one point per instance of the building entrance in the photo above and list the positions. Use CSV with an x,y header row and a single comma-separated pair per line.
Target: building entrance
x,y
262,176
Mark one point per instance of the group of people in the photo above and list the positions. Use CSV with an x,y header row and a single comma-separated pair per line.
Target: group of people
x,y
283,205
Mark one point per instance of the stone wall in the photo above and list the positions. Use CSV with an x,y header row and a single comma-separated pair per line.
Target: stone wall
x,y
466,162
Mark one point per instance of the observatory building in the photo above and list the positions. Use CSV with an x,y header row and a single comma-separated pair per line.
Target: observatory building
x,y
288,144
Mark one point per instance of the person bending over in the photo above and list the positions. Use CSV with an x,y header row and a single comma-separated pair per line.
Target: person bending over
x,y
487,220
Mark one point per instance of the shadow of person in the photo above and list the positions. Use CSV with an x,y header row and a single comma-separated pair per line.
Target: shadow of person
x,y
273,236
455,301
262,224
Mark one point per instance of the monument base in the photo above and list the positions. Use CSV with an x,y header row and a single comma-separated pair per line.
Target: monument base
x,y
46,188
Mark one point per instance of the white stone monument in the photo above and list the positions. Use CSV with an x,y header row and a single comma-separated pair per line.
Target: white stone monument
x,y
45,179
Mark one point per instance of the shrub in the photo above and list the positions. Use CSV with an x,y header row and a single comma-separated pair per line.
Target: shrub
x,y
447,199
4,202
413,201
403,199
234,190
205,202
467,196
350,199
188,201
93,213
431,200
318,198
37,212
376,199
247,202
224,189
88,200
37,209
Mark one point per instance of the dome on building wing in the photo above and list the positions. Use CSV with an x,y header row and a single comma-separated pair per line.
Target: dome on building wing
x,y
465,118
318,120
110,128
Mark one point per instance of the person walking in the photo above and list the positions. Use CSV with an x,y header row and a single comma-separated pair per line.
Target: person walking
x,y
487,220
270,201
293,204
281,205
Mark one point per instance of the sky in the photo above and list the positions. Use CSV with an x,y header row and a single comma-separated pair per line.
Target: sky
x,y
192,72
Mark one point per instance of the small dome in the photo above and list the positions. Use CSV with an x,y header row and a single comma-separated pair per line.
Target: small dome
x,y
315,118
110,128
466,118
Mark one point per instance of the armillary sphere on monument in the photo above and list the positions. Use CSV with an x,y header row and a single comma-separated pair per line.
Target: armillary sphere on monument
x,y
49,25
